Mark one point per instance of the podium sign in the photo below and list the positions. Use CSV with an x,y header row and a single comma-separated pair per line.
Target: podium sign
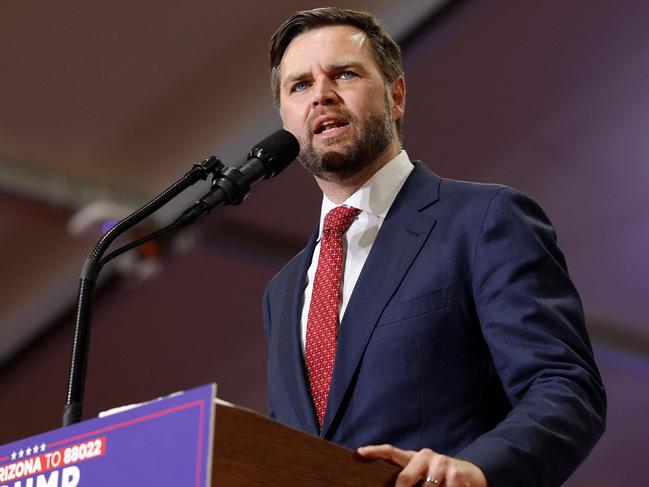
x,y
163,442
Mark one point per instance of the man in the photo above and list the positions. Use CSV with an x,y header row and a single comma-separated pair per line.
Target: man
x,y
433,317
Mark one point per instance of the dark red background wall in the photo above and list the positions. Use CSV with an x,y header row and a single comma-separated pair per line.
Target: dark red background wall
x,y
550,97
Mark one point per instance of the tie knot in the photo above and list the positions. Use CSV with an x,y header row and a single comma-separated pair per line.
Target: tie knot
x,y
340,218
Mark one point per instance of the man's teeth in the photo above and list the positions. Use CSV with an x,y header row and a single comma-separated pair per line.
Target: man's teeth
x,y
329,126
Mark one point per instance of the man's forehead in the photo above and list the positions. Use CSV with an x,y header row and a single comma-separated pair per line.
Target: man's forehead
x,y
333,40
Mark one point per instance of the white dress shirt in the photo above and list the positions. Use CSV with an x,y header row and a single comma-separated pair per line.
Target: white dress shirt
x,y
374,199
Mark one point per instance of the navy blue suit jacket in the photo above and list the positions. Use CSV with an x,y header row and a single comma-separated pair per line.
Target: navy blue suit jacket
x,y
464,334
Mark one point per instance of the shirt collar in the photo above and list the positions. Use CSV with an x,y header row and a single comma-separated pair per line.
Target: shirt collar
x,y
378,193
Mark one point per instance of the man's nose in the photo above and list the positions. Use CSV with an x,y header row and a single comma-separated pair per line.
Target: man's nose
x,y
324,93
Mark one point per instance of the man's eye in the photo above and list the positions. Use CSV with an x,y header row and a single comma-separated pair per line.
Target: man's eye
x,y
346,75
300,86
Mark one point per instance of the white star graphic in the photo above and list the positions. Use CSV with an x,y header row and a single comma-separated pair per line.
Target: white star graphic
x,y
21,453
43,446
35,449
28,451
13,455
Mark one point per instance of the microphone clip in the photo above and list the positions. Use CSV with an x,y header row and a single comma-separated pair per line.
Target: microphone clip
x,y
211,166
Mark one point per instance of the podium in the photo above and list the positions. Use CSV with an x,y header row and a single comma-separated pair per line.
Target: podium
x,y
188,439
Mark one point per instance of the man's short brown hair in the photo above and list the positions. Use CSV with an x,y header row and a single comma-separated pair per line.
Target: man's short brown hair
x,y
386,52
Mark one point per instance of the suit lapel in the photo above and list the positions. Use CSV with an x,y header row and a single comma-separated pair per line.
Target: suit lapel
x,y
291,358
400,239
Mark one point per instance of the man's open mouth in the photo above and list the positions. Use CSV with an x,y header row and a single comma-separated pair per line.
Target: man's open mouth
x,y
327,125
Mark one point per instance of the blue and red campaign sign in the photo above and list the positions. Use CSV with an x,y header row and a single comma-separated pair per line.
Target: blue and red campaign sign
x,y
160,443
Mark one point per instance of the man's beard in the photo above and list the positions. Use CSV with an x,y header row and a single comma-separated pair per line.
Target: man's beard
x,y
374,134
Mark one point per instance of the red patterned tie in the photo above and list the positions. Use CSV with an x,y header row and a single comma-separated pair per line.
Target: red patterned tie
x,y
323,320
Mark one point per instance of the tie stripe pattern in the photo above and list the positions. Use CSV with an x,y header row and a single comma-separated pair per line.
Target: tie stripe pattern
x,y
323,319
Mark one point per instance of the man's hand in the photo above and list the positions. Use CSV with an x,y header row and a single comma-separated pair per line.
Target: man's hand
x,y
434,469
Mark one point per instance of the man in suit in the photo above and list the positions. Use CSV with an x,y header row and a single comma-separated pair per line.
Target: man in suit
x,y
428,322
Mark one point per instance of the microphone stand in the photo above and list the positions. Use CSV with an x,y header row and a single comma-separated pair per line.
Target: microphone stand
x,y
230,185
90,271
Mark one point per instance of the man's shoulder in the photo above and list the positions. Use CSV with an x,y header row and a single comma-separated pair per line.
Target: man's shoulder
x,y
458,184
457,191
469,201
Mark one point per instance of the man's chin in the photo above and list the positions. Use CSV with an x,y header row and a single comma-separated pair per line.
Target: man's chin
x,y
333,165
335,160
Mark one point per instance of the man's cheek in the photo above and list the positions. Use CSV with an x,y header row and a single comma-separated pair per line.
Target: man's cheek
x,y
299,130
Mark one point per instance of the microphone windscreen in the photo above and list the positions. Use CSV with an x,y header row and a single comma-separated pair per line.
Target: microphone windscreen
x,y
276,152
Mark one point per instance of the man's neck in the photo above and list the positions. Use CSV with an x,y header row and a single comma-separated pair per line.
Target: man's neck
x,y
339,191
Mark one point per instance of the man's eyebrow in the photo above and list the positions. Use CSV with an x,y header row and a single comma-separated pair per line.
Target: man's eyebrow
x,y
341,66
295,77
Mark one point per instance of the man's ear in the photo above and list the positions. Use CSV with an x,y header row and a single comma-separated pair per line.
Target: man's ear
x,y
398,96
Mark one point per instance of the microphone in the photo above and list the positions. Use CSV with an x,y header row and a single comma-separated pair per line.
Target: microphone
x,y
266,159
